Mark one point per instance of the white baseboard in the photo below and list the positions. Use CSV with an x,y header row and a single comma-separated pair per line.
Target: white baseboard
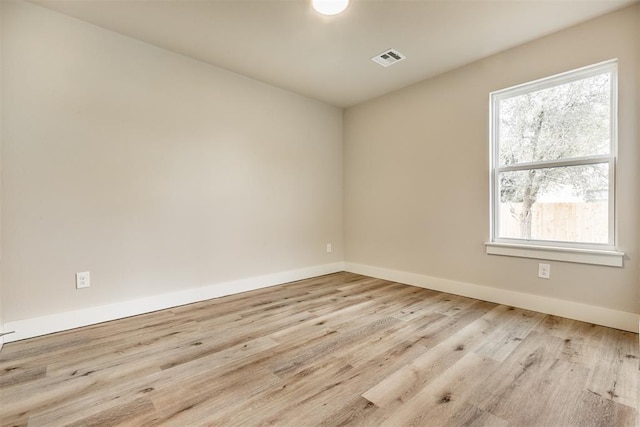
x,y
572,310
43,325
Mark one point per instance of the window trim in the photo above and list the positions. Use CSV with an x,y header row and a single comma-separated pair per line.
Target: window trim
x,y
589,253
556,253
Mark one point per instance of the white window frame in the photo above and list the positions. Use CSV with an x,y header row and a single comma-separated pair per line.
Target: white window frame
x,y
599,254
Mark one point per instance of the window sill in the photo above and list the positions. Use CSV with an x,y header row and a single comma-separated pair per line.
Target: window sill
x,y
582,256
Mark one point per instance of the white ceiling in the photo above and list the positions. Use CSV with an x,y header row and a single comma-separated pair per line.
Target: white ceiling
x,y
287,44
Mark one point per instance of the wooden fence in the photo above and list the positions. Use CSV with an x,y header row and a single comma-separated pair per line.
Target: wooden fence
x,y
572,222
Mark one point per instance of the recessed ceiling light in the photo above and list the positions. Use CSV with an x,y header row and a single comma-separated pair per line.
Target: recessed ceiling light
x,y
330,7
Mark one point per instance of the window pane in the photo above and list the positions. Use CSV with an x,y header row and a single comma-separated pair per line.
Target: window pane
x,y
567,204
565,121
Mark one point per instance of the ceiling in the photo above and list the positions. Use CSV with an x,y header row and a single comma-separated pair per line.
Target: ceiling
x,y
285,43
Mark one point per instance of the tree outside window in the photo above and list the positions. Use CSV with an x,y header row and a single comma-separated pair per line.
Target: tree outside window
x,y
553,145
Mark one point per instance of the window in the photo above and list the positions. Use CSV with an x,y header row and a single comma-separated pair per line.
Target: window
x,y
553,152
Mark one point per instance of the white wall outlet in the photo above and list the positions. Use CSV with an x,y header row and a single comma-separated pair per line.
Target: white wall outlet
x,y
544,271
329,249
83,280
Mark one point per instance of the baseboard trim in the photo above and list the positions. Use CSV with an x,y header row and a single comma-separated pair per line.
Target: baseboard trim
x,y
59,322
43,325
573,310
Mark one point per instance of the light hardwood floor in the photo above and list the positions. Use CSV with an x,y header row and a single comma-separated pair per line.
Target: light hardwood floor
x,y
337,349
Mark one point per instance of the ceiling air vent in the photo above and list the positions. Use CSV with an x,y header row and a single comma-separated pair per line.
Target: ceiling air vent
x,y
388,57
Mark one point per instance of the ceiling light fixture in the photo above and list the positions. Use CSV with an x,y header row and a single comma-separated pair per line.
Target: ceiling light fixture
x,y
330,7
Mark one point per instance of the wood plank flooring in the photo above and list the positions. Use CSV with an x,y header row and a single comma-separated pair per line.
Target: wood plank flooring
x,y
334,350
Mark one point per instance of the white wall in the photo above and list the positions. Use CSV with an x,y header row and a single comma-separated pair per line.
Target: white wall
x,y
638,137
417,161
1,314
161,174
155,172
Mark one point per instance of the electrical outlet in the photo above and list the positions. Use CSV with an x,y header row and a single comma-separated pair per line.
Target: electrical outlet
x,y
329,249
83,280
544,271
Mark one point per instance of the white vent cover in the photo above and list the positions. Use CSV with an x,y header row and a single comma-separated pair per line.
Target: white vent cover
x,y
388,57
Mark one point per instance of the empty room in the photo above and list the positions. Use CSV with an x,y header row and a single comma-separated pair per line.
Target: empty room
x,y
320,212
